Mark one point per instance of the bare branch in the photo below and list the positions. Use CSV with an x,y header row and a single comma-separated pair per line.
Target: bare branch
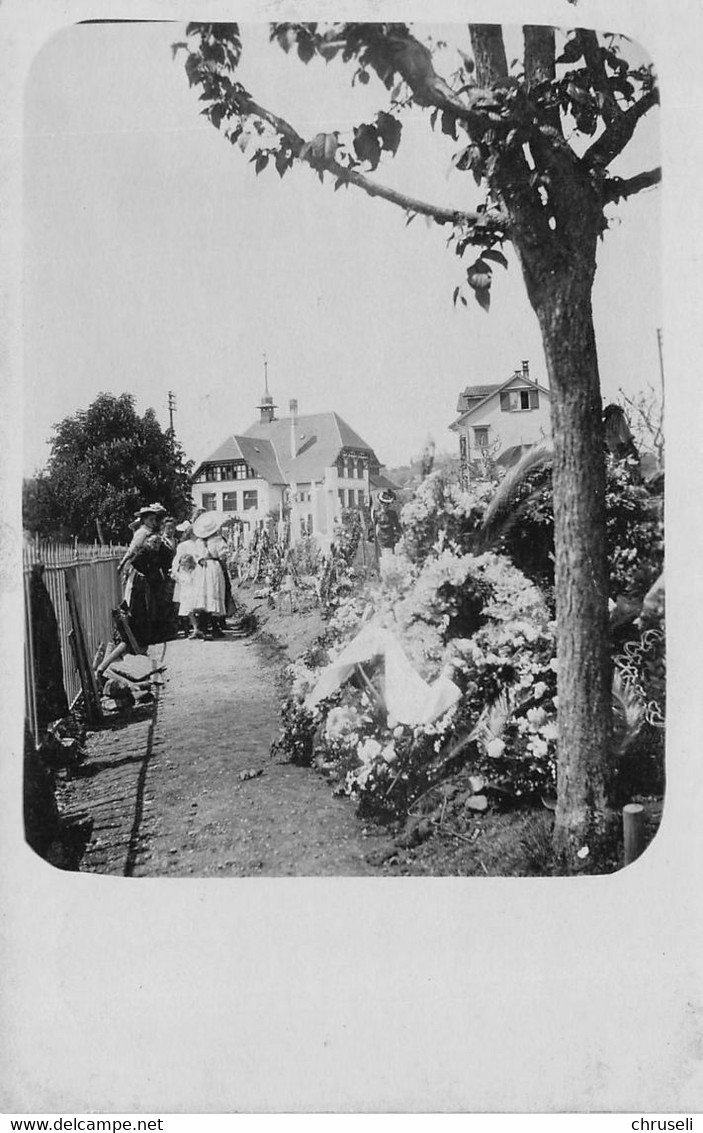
x,y
618,188
304,152
613,140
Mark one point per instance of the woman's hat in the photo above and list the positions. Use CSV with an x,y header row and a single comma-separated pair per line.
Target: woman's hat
x,y
208,522
386,496
185,526
150,509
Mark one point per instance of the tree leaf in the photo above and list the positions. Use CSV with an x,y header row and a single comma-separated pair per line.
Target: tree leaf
x,y
449,123
283,160
389,131
479,278
494,255
483,298
306,49
572,51
366,144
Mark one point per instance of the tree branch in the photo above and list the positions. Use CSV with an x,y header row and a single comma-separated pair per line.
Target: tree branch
x,y
610,109
489,53
617,188
413,62
614,139
305,152
539,53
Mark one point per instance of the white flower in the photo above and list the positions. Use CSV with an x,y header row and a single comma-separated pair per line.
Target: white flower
x,y
341,723
539,690
536,716
583,852
495,748
538,747
369,751
389,753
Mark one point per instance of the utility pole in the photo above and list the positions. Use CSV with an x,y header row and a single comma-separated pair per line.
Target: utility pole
x,y
661,360
171,410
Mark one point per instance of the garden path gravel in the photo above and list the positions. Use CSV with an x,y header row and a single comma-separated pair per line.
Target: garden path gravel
x,y
165,792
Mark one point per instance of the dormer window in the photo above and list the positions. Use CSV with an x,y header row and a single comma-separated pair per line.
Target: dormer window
x,y
515,400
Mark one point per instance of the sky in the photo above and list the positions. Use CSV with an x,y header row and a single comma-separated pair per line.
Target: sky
x,y
155,260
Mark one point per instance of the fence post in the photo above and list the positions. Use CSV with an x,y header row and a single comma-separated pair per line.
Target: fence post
x,y
633,831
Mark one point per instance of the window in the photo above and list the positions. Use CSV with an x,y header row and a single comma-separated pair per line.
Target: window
x,y
229,501
361,498
340,493
360,469
209,501
209,474
481,437
462,447
250,500
351,497
515,400
350,469
309,525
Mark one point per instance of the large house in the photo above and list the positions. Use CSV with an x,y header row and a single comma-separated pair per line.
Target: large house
x,y
301,468
501,420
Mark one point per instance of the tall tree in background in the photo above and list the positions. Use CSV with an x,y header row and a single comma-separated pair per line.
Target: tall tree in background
x,y
106,461
538,137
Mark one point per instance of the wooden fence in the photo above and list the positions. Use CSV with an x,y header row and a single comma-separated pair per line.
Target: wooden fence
x,y
90,572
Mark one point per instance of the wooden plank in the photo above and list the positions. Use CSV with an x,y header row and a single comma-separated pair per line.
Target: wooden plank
x,y
93,710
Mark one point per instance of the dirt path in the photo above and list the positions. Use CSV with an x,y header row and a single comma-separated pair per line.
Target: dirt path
x,y
165,793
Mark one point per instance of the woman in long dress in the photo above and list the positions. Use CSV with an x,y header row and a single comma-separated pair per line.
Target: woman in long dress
x,y
183,573
144,579
209,591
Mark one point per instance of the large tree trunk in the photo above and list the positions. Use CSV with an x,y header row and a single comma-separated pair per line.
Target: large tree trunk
x,y
584,827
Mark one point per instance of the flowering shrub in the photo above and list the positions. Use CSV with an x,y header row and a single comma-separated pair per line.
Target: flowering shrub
x,y
635,530
474,616
442,512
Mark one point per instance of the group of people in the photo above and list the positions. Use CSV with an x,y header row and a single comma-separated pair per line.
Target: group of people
x,y
175,580
202,589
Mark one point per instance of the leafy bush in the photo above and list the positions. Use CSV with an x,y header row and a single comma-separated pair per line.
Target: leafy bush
x,y
473,615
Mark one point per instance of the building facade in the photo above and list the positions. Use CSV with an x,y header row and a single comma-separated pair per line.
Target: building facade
x,y
500,421
300,469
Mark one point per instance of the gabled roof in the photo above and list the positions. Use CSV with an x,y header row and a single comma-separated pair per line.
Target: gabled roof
x,y
258,453
320,438
469,397
491,391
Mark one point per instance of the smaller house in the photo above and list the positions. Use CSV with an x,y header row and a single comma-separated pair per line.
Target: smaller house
x,y
501,421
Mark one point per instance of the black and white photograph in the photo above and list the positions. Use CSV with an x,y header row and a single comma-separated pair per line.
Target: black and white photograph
x,y
343,360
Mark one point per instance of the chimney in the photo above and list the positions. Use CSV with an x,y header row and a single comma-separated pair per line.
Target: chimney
x,y
525,369
293,406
